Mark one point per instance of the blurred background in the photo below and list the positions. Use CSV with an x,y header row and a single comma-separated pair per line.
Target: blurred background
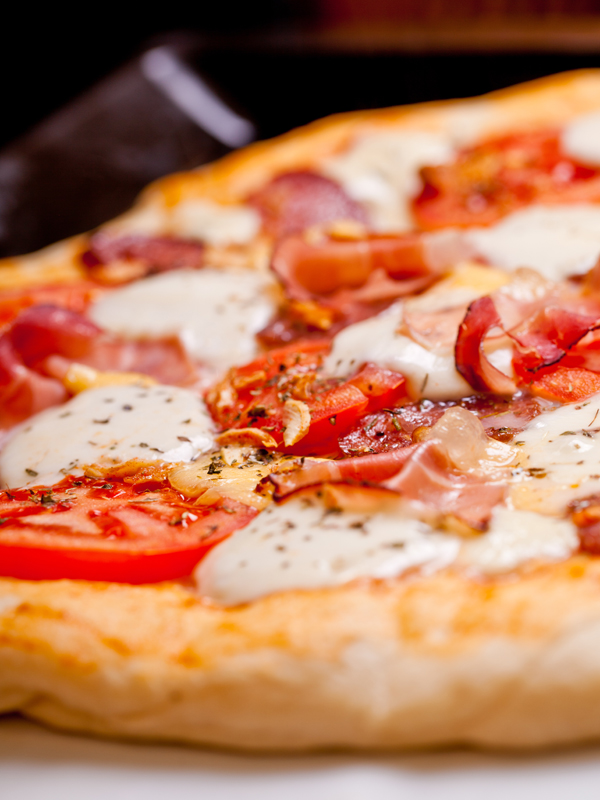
x,y
100,101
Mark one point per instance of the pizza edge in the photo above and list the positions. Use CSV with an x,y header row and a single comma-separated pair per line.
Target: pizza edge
x,y
364,665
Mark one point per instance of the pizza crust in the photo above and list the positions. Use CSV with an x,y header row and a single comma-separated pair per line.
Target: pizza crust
x,y
424,661
509,662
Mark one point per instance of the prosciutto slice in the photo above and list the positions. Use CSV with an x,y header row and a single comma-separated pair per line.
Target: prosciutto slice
x,y
294,201
47,339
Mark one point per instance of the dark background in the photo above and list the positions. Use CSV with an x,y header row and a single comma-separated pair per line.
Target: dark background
x,y
281,63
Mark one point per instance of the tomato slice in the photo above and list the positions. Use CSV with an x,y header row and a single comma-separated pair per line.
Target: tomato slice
x,y
492,179
255,395
383,387
109,530
565,384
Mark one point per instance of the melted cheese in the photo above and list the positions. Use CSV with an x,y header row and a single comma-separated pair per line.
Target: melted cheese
x,y
191,219
107,426
515,537
382,172
555,240
560,458
302,545
580,139
215,312
428,373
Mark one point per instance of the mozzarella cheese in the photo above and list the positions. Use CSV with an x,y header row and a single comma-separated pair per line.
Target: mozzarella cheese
x,y
429,374
381,171
580,139
555,240
302,545
515,537
215,312
560,458
191,219
107,426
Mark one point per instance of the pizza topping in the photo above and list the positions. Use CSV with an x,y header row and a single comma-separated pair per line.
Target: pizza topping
x,y
23,392
295,201
580,139
215,312
119,259
79,378
235,472
492,179
307,543
378,341
301,544
107,425
109,529
381,171
559,458
557,241
515,537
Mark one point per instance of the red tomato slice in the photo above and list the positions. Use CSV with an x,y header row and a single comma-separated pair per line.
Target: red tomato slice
x,y
565,384
254,396
494,178
383,387
109,530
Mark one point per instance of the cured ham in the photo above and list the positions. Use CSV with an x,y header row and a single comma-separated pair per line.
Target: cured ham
x,y
145,255
45,340
294,201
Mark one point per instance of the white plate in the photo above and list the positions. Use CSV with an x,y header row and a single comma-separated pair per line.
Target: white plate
x,y
37,763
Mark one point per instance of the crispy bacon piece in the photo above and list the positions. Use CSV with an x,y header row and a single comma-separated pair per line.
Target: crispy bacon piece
x,y
362,469
471,361
294,201
145,254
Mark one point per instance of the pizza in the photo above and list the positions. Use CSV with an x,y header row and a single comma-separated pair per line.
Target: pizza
x,y
302,451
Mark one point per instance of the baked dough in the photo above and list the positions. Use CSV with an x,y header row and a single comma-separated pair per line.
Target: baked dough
x,y
511,662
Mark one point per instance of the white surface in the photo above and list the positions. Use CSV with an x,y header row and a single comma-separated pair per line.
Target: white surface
x,y
36,763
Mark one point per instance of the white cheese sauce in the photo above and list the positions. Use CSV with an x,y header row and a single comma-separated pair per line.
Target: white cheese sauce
x,y
428,374
302,545
560,458
580,139
107,426
215,312
381,171
190,219
557,240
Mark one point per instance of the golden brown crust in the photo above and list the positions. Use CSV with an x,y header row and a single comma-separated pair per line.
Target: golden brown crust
x,y
510,662
504,662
